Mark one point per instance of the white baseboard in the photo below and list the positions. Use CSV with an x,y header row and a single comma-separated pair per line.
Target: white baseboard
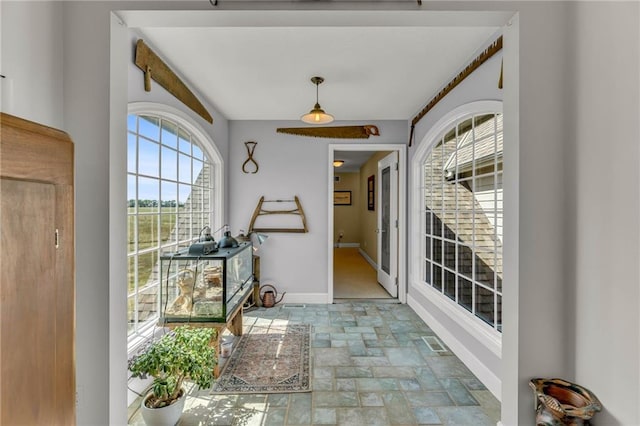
x,y
310,298
368,259
486,376
341,245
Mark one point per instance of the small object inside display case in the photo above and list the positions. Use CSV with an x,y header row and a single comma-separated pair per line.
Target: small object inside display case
x,y
204,288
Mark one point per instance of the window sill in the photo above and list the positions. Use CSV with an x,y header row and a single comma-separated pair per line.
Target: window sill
x,y
489,337
135,341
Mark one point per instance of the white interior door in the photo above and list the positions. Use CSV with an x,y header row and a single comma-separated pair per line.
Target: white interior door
x,y
387,206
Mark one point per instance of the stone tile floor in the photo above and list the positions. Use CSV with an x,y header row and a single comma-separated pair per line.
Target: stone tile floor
x,y
370,366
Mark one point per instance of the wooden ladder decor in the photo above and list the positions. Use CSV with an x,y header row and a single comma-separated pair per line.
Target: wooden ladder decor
x,y
259,211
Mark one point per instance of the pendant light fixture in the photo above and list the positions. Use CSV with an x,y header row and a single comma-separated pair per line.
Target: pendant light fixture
x,y
317,114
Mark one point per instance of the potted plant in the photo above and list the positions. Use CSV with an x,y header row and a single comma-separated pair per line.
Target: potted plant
x,y
184,353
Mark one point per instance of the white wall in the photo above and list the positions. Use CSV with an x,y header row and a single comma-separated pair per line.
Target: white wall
x,y
31,61
290,165
575,234
86,106
603,210
97,55
534,309
554,42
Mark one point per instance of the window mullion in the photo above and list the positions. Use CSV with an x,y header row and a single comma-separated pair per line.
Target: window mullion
x,y
423,228
159,216
455,246
474,257
499,223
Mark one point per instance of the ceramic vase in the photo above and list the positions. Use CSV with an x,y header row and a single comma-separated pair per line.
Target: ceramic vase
x,y
559,402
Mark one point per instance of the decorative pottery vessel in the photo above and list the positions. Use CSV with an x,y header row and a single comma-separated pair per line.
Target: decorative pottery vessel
x,y
559,402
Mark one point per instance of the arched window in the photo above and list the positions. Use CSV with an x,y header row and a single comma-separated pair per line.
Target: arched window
x,y
460,174
173,190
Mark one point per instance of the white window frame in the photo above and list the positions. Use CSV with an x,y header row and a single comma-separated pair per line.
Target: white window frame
x,y
210,150
491,338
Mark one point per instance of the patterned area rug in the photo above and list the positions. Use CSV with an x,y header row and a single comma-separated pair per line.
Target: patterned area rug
x,y
273,360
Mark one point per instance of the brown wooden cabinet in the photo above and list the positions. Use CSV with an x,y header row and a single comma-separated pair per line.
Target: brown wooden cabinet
x,y
37,271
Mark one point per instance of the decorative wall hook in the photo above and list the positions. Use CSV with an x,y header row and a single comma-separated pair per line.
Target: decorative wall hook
x,y
251,146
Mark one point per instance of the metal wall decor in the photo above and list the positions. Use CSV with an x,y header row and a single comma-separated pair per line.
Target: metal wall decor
x,y
335,132
155,68
260,211
251,146
494,48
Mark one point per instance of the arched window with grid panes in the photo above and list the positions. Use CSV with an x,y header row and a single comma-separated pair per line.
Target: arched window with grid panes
x,y
173,191
461,214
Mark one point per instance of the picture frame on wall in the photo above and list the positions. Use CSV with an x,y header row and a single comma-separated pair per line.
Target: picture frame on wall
x,y
371,193
341,198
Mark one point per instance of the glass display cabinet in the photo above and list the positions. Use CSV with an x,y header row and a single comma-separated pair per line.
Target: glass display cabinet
x,y
205,288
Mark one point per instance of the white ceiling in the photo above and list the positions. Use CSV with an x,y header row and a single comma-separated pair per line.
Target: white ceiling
x,y
371,72
353,160
377,65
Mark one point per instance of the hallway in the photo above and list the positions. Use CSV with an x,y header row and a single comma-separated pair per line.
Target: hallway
x,y
354,277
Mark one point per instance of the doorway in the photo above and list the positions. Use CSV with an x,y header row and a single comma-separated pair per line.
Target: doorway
x,y
387,221
364,257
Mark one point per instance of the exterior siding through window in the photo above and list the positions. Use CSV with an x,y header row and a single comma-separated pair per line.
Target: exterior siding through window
x,y
462,219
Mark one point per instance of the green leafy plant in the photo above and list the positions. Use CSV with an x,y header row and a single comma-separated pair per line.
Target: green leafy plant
x,y
184,353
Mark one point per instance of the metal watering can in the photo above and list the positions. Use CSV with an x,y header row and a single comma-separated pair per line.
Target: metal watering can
x,y
268,297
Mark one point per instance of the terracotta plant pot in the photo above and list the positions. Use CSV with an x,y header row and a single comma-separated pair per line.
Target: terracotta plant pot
x,y
165,416
559,402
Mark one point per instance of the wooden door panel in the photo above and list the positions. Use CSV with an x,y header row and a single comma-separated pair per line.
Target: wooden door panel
x,y
28,316
65,395
37,280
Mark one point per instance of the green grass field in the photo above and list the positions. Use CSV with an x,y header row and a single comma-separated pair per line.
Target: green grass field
x,y
148,236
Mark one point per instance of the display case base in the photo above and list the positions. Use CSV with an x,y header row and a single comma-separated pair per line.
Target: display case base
x,y
234,325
